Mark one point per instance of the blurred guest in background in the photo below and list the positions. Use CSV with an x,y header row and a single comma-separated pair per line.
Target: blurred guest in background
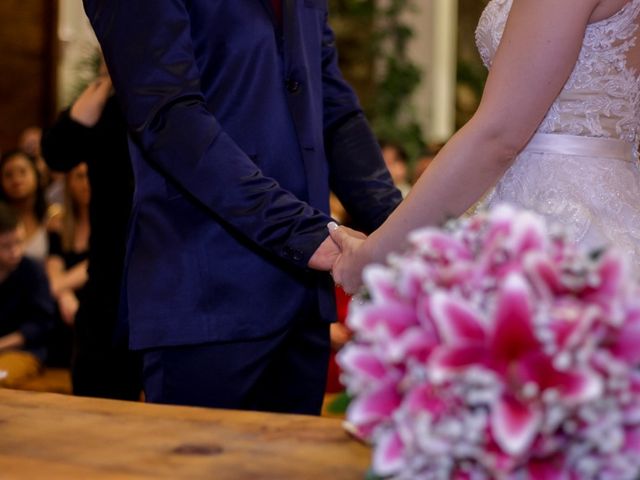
x,y
26,307
67,262
93,130
397,161
21,188
52,182
29,141
424,160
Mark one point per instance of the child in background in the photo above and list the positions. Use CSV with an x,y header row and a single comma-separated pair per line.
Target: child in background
x,y
26,307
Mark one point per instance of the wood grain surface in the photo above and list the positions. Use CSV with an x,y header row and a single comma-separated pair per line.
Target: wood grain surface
x,y
50,436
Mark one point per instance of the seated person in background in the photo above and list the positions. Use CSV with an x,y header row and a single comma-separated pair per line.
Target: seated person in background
x,y
68,261
396,159
52,182
29,142
20,187
94,130
26,306
68,249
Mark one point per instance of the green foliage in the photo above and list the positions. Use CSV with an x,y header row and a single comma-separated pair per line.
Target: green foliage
x,y
372,476
470,79
392,116
373,50
339,404
86,70
472,74
353,8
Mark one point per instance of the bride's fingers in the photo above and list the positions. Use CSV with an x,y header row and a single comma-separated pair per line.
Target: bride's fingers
x,y
338,234
345,270
346,238
354,233
343,276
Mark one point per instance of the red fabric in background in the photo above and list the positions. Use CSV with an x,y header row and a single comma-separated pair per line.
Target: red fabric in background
x,y
333,376
277,8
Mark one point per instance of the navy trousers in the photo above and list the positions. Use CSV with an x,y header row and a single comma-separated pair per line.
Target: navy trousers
x,y
284,372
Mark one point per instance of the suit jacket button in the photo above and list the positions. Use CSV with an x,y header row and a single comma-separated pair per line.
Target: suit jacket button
x,y
293,86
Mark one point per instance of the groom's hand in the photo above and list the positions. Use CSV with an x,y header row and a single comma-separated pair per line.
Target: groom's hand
x,y
325,256
329,251
347,270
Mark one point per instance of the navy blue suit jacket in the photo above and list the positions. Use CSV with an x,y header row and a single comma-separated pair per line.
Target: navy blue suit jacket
x,y
239,128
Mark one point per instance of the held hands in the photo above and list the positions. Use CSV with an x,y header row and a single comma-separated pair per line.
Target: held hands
x,y
344,254
347,269
325,256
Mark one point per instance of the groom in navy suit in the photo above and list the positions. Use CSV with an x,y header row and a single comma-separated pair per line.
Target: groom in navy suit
x,y
240,123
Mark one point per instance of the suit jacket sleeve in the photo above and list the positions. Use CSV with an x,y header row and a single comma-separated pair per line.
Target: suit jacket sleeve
x,y
149,52
358,174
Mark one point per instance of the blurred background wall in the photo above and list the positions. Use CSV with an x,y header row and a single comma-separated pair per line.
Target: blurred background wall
x,y
28,55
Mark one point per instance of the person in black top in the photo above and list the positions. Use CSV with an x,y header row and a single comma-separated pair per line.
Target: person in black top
x,y
26,306
93,130
69,244
68,261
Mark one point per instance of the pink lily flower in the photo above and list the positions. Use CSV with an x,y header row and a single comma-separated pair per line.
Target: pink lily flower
x,y
626,344
440,246
494,349
506,344
388,457
374,407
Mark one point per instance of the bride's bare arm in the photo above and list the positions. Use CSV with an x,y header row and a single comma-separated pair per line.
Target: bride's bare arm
x,y
538,51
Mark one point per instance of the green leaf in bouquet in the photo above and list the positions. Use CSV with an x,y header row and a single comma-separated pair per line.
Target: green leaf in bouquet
x,y
339,405
371,475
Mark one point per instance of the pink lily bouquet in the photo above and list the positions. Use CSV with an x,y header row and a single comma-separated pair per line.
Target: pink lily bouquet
x,y
496,349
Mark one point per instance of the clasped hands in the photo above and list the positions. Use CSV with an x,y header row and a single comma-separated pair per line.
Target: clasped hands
x,y
344,253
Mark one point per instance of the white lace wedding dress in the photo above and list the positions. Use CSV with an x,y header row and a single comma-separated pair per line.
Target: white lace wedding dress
x,y
581,168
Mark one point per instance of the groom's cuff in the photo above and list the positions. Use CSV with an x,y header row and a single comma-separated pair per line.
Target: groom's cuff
x,y
300,249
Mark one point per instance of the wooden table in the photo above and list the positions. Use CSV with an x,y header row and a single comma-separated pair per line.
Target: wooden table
x,y
50,436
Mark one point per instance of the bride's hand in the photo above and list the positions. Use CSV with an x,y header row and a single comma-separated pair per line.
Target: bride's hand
x,y
347,269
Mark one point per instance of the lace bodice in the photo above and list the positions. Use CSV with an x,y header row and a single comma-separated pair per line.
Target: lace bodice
x,y
602,96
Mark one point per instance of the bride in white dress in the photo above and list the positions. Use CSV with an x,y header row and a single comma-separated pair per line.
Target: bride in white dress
x,y
556,131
